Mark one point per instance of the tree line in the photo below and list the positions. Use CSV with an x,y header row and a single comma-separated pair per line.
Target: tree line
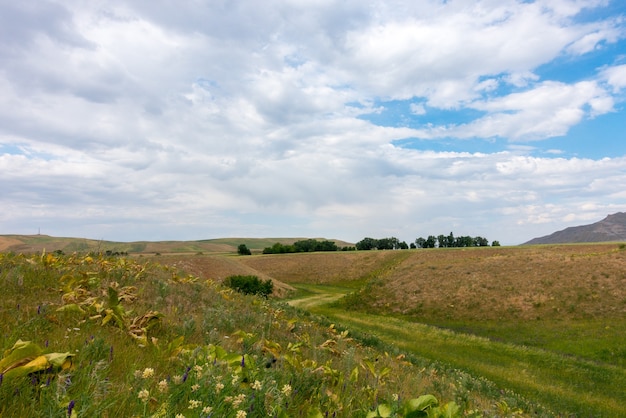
x,y
304,246
440,241
390,243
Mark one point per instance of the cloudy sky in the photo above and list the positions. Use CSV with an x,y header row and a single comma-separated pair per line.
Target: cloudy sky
x,y
159,119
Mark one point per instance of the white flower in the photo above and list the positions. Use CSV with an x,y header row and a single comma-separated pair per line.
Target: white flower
x,y
241,414
286,390
163,386
148,372
238,400
257,385
144,395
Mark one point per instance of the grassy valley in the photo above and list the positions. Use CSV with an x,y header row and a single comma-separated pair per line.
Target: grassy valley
x,y
537,330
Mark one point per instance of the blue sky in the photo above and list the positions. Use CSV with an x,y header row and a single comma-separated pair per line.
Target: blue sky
x,y
149,120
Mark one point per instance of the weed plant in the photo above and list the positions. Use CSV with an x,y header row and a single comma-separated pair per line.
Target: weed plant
x,y
141,339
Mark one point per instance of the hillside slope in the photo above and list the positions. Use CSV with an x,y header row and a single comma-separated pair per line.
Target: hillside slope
x,y
39,243
610,229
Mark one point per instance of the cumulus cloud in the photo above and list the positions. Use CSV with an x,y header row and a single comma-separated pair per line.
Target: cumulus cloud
x,y
154,120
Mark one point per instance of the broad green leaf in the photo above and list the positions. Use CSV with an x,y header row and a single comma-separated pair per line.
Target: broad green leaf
x,y
384,411
315,413
22,351
417,407
450,410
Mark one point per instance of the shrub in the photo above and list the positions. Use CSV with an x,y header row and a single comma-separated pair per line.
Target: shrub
x,y
243,250
250,285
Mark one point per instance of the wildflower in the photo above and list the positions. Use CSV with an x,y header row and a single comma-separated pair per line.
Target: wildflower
x,y
163,386
178,379
144,395
195,387
257,385
238,400
241,414
207,410
395,397
235,379
193,404
179,416
70,407
197,368
148,372
219,386
137,374
286,390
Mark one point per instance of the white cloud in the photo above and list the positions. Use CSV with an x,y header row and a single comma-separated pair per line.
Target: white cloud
x,y
615,76
153,120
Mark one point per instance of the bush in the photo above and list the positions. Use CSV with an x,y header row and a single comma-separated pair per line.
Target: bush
x,y
250,285
243,250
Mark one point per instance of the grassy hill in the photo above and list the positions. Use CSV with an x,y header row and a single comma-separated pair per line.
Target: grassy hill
x,y
499,331
38,243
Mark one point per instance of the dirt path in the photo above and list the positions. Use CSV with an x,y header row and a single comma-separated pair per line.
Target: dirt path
x,y
319,297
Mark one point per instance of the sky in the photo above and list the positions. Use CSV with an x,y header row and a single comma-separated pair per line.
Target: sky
x,y
341,119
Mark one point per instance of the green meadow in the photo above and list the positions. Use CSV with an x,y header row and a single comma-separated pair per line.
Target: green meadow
x,y
357,334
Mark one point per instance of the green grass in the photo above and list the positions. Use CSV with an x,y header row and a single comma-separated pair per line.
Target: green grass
x,y
206,347
560,381
599,340
574,366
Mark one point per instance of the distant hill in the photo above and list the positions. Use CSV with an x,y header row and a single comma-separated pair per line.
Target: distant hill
x,y
38,243
611,228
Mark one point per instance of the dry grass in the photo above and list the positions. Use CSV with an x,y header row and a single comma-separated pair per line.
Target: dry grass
x,y
528,283
522,283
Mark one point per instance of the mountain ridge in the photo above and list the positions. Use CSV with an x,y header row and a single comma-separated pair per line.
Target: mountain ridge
x,y
611,228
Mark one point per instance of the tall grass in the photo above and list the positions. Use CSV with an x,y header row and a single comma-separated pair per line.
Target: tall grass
x,y
150,340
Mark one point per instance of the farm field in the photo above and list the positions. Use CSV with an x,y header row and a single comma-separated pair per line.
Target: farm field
x,y
537,330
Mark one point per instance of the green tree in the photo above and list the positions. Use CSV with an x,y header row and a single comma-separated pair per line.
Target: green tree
x,y
367,244
430,242
243,250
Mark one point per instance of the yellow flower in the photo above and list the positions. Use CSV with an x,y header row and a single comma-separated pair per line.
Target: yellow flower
x,y
195,387
257,385
286,390
219,386
193,404
242,414
207,410
148,372
238,400
163,386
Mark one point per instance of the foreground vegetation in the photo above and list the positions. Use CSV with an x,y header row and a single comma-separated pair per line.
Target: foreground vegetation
x,y
486,331
90,335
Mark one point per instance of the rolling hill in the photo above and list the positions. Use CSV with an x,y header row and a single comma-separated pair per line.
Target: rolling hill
x,y
38,243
